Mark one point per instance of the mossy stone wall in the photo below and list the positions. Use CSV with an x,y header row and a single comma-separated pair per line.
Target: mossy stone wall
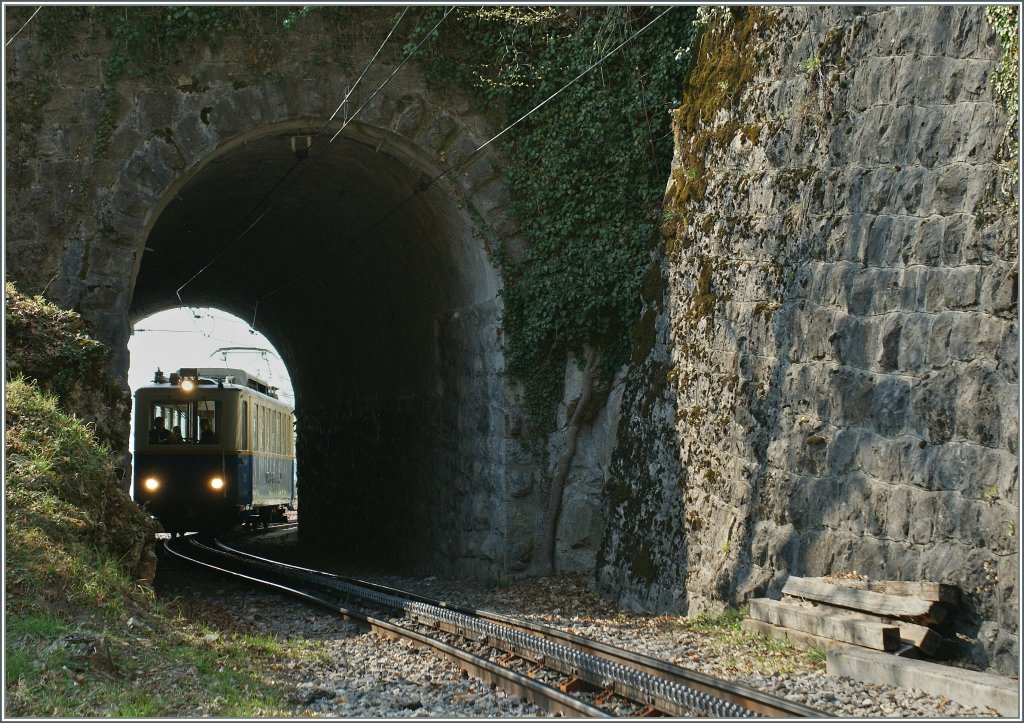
x,y
833,382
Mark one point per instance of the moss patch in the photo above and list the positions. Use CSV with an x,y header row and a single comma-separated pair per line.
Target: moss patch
x,y
641,565
704,297
723,69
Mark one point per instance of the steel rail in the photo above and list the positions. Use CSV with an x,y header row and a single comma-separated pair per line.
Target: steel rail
x,y
746,696
511,681
666,687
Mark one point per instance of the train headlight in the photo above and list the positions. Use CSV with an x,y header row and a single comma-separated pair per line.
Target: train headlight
x,y
216,483
151,484
188,385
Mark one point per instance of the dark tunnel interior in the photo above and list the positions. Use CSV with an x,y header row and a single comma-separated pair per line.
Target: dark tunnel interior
x,y
375,290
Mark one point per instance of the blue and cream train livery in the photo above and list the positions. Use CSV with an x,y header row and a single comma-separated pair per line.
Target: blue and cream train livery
x,y
213,448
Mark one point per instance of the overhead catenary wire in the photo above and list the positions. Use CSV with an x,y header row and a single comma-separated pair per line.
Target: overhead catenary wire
x,y
405,60
151,344
283,178
23,26
473,154
315,157
365,70
319,153
558,92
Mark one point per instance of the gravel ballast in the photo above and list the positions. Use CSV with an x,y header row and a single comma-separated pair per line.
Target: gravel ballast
x,y
353,673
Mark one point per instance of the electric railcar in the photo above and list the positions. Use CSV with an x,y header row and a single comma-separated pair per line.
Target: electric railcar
x,y
213,448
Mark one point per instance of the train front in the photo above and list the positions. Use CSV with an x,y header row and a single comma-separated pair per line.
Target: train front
x,y
185,464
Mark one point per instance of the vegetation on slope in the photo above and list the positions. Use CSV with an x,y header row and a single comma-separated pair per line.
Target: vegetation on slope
x,y
52,347
84,635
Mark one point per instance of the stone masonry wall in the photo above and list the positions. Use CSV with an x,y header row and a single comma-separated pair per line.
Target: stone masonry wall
x,y
832,385
827,371
76,221
76,225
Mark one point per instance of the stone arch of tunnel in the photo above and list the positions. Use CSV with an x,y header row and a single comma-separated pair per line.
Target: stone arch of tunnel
x,y
377,289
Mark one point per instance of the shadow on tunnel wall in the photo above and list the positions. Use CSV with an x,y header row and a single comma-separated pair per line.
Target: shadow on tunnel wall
x,y
378,508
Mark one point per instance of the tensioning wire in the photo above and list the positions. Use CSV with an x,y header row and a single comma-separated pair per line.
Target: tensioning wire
x,y
23,26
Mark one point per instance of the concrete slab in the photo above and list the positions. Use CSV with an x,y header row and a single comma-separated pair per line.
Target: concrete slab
x,y
968,687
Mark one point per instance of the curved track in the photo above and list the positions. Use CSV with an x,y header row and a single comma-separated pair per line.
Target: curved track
x,y
603,680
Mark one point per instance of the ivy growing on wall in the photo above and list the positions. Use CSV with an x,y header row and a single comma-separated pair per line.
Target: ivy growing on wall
x,y
1005,81
586,171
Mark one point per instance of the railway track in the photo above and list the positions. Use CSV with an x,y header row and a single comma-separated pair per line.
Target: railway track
x,y
562,673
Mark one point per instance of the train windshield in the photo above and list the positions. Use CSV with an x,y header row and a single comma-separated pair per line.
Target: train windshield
x,y
196,421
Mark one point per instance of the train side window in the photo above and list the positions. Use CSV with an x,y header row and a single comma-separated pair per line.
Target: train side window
x,y
243,428
207,414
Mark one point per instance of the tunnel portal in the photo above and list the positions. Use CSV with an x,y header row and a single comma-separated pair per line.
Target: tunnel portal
x,y
368,267
374,284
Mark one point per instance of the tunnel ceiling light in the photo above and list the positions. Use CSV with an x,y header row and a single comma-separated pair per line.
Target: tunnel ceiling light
x,y
216,483
151,484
